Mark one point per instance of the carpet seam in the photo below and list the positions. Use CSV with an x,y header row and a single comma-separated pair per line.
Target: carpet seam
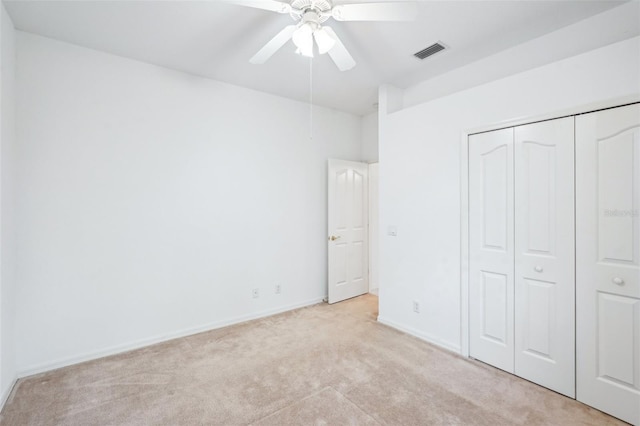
x,y
290,405
358,407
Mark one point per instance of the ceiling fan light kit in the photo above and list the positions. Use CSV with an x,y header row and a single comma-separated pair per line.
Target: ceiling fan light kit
x,y
309,28
305,34
324,40
311,14
303,39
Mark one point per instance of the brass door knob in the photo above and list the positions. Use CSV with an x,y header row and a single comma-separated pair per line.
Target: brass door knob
x,y
333,237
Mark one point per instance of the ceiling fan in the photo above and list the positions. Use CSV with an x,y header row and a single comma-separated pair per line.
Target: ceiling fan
x,y
310,16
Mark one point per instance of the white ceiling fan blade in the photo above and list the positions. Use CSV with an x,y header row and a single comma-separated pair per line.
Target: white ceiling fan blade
x,y
272,5
273,45
392,11
339,53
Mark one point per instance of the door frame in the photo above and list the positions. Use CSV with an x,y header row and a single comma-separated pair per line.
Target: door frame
x,y
374,228
464,191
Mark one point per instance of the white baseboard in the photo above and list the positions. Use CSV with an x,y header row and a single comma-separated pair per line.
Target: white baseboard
x,y
420,335
6,393
114,350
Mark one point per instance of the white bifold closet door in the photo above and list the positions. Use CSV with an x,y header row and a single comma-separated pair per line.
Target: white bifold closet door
x,y
608,261
491,248
545,254
521,246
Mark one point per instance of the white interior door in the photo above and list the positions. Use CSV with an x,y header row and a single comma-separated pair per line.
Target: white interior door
x,y
348,230
544,254
491,248
608,261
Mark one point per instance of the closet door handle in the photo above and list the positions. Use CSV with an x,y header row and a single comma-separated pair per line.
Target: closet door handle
x,y
618,281
538,268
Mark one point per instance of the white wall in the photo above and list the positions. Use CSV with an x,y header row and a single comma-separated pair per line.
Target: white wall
x,y
152,202
7,215
420,177
370,138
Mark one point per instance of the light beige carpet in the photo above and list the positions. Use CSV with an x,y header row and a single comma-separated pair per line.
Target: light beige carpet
x,y
321,365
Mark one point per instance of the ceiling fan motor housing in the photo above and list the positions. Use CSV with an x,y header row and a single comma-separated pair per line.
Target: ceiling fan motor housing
x,y
311,18
315,11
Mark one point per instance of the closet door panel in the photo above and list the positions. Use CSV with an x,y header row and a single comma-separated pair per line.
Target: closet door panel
x,y
491,247
544,254
608,261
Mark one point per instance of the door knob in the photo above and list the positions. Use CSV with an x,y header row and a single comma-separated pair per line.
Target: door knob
x,y
538,268
618,281
333,237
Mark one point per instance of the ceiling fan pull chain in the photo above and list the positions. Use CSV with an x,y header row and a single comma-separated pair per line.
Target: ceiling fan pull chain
x,y
311,98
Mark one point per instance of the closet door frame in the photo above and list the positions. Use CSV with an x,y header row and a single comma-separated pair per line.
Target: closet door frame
x,y
464,192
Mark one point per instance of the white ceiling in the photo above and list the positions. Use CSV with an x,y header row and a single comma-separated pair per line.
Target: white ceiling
x,y
215,39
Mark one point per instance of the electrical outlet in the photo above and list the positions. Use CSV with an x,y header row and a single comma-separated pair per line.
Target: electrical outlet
x,y
278,289
416,306
256,293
